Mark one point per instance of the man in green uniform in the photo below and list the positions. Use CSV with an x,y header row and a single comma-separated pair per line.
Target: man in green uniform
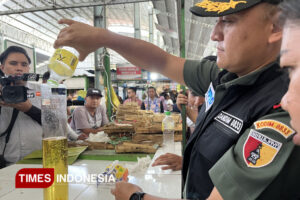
x,y
264,164
245,94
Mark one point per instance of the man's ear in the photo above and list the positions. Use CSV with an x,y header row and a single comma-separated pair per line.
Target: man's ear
x,y
1,70
276,29
276,33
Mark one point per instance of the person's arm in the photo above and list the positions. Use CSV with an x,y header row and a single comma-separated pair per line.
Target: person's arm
x,y
123,191
183,100
35,114
258,161
91,130
71,134
74,136
23,106
87,39
27,108
172,161
192,114
150,197
104,117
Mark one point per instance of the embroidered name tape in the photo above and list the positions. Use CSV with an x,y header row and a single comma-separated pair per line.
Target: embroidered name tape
x,y
230,121
277,126
259,150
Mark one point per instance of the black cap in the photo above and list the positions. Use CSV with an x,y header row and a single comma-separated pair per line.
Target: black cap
x,y
217,8
93,92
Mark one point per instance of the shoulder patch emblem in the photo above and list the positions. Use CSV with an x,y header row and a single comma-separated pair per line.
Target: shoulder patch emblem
x,y
230,121
277,126
259,150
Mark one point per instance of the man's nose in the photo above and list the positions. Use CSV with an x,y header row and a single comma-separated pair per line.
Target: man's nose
x,y
217,34
20,67
285,101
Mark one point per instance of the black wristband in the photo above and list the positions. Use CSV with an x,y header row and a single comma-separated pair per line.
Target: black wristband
x,y
137,196
35,114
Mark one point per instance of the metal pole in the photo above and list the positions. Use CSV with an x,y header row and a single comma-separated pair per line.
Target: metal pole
x,y
158,39
99,21
137,23
181,31
151,25
181,27
107,83
74,5
150,40
34,59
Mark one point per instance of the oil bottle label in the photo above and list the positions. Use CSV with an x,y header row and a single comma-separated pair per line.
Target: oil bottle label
x,y
66,57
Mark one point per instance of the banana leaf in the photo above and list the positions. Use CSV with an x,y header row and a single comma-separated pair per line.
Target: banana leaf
x,y
36,156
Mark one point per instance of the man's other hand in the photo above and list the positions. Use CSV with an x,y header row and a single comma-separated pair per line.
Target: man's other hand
x,y
123,190
181,99
172,161
82,136
23,106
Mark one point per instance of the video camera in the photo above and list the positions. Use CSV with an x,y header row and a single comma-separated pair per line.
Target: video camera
x,y
11,91
75,103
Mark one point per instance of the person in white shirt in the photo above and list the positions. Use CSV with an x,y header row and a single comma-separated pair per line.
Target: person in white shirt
x,y
168,102
26,133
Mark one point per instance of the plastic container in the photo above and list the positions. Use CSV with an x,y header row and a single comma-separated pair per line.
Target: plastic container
x,y
113,173
55,146
62,65
64,61
168,127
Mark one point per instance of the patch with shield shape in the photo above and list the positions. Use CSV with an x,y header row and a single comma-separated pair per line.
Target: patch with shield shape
x,y
259,150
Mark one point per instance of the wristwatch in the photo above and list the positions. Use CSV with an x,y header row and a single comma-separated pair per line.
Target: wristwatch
x,y
137,196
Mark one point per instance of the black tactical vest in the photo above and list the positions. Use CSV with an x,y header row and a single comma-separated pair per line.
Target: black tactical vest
x,y
221,126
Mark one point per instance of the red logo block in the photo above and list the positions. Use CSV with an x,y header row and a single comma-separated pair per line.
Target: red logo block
x,y
34,178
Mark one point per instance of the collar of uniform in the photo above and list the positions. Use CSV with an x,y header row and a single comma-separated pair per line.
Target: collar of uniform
x,y
230,79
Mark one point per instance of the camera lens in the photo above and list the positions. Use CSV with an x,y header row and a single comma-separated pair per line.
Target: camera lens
x,y
14,94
